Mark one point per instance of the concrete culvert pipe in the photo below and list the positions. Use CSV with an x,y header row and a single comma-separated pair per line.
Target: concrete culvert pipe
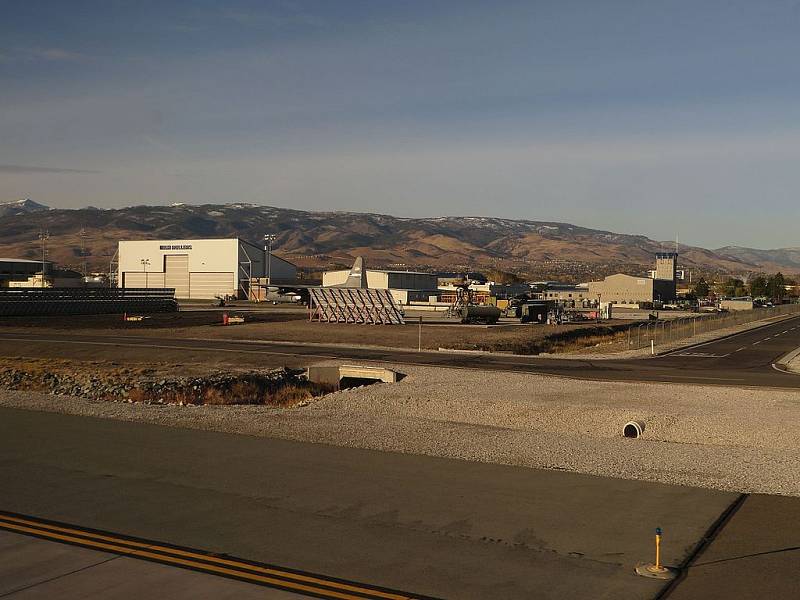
x,y
633,429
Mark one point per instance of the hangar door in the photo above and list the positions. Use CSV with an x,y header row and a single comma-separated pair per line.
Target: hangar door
x,y
176,274
142,279
210,285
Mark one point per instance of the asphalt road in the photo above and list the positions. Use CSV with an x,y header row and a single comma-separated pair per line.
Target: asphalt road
x,y
744,359
429,526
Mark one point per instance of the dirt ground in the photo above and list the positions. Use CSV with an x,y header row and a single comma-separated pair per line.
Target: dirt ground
x,y
280,326
194,318
104,368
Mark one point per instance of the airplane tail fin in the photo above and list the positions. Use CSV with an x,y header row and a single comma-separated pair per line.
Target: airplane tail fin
x,y
357,278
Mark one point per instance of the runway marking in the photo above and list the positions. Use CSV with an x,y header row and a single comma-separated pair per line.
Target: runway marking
x,y
739,333
740,349
299,582
702,354
702,378
756,343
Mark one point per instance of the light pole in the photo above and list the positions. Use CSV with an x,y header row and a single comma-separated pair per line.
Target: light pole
x,y
44,235
145,262
598,307
269,238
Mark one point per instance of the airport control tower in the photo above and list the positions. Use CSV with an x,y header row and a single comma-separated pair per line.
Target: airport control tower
x,y
666,266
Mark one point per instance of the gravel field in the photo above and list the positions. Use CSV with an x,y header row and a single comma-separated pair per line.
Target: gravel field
x,y
731,439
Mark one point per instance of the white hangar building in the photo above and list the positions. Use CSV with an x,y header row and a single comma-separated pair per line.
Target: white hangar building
x,y
199,269
405,286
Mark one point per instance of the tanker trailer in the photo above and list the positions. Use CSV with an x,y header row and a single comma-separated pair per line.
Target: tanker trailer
x,y
480,314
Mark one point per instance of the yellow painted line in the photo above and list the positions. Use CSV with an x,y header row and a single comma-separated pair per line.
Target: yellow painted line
x,y
112,544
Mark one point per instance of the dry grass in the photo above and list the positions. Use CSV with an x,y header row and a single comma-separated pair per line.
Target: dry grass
x,y
283,393
566,339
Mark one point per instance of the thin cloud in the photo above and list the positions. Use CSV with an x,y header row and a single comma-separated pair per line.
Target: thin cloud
x,y
57,54
17,169
40,54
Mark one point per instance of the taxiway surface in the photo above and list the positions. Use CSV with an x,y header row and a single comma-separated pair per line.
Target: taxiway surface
x,y
742,359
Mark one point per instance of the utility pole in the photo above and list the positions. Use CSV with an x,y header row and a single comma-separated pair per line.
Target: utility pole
x,y
83,252
44,235
269,238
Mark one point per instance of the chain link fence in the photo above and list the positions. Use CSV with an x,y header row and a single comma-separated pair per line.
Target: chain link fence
x,y
666,331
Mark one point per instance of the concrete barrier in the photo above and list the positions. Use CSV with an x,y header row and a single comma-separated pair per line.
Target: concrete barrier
x,y
334,375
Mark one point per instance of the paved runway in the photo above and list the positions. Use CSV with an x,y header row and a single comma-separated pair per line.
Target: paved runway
x,y
35,569
744,359
431,526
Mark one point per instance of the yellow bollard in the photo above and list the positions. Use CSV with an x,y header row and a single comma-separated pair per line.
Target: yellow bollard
x,y
658,548
656,570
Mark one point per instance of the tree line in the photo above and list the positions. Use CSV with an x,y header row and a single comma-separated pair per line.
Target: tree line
x,y
759,286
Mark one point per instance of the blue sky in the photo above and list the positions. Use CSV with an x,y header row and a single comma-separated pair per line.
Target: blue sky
x,y
659,118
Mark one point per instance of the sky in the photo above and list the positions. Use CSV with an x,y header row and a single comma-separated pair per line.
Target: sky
x,y
670,118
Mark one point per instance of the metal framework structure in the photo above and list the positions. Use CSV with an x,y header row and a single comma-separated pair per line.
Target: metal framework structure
x,y
353,305
246,275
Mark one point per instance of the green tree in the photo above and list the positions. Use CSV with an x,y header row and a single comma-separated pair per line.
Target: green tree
x,y
701,288
758,286
733,287
776,286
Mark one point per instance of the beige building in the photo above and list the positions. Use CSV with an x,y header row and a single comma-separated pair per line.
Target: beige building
x,y
666,266
626,289
384,280
567,293
737,304
405,286
201,269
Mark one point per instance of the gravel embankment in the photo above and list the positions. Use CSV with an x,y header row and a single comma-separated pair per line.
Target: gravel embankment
x,y
717,437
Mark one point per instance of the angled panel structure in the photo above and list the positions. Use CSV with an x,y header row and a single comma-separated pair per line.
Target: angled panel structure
x,y
353,305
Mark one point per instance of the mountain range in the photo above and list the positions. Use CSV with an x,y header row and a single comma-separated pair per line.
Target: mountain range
x,y
331,239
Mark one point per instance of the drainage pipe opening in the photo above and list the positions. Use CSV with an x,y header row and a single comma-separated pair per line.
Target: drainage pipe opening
x,y
633,429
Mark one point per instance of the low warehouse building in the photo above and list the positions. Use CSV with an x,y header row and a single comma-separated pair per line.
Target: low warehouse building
x,y
737,304
625,289
567,293
405,286
200,269
384,280
21,269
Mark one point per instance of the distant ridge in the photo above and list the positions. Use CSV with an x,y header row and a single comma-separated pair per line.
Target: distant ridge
x,y
786,259
20,207
323,239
